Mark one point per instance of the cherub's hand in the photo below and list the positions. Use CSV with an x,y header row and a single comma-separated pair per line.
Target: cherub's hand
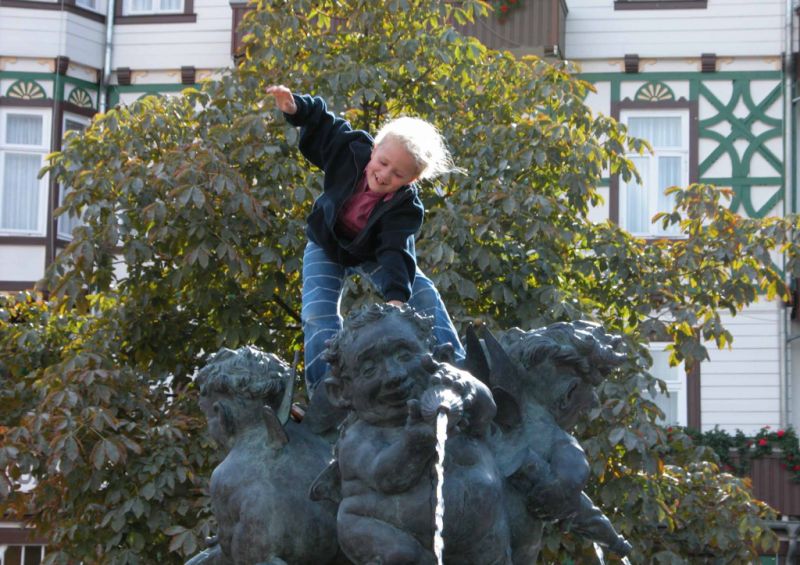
x,y
418,430
283,98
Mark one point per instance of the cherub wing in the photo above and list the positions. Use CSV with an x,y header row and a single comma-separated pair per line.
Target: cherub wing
x,y
328,484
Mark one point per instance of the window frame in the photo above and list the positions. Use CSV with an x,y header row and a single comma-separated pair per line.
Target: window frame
x,y
617,107
61,235
42,150
650,176
128,10
123,15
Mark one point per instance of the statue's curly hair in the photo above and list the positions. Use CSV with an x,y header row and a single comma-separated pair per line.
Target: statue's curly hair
x,y
584,346
246,373
423,326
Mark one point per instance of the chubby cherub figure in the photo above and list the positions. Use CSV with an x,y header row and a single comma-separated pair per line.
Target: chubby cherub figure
x,y
383,372
259,492
543,381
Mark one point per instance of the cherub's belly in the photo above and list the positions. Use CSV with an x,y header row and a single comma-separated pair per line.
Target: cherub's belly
x,y
411,511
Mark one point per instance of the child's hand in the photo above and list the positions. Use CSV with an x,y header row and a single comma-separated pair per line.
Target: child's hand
x,y
283,98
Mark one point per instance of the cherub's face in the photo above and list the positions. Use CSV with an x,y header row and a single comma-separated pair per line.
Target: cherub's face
x,y
211,408
384,363
578,399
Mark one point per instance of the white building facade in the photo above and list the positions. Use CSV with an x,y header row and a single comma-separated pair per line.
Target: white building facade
x,y
707,83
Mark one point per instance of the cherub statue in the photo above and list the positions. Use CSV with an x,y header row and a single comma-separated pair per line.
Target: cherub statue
x,y
382,370
259,493
542,381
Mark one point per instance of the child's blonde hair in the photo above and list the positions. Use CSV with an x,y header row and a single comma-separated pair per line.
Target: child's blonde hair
x,y
423,142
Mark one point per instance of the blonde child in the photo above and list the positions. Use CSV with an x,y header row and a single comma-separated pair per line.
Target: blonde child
x,y
366,218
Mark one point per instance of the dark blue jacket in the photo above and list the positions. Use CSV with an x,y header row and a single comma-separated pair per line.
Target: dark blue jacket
x,y
342,153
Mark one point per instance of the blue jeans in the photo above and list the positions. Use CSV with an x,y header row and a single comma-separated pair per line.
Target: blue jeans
x,y
323,281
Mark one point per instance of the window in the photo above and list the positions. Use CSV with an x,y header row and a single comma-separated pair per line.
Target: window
x,y
21,554
68,223
668,133
672,404
660,4
138,7
24,141
88,4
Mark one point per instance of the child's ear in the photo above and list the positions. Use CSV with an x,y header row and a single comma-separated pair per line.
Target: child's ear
x,y
336,392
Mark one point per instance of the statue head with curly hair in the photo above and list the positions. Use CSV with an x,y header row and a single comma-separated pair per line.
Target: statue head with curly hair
x,y
235,385
562,364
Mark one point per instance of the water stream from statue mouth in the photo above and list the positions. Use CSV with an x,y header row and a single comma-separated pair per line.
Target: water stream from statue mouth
x,y
438,513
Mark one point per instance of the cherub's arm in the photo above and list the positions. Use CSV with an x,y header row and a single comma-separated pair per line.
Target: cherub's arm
x,y
396,467
552,487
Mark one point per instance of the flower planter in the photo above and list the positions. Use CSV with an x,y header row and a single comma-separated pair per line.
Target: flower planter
x,y
773,484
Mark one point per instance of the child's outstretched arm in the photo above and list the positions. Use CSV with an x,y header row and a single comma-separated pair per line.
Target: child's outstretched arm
x,y
323,136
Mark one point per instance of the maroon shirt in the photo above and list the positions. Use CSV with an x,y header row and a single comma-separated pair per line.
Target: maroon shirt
x,y
356,210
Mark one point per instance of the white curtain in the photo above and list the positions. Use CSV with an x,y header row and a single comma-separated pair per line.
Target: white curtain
x,y
21,198
141,5
21,192
171,5
659,131
669,174
658,172
637,203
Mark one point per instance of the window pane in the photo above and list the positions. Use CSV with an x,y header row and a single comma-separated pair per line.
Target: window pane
x,y
68,223
72,125
669,406
24,129
660,132
33,555
85,4
669,174
171,5
661,368
141,5
20,195
13,555
637,210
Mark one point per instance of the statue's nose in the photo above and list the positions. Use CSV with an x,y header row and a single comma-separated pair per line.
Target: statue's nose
x,y
395,373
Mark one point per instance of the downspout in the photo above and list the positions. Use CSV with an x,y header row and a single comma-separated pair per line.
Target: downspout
x,y
105,77
790,198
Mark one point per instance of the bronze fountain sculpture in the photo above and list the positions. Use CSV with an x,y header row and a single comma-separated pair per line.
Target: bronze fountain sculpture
x,y
505,458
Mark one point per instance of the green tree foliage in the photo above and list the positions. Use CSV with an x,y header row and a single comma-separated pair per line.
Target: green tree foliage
x,y
193,213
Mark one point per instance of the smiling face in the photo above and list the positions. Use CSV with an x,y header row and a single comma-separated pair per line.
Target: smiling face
x,y
390,167
384,362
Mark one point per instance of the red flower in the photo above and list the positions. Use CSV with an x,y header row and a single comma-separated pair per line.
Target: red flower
x,y
781,433
762,442
512,1
796,468
504,8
